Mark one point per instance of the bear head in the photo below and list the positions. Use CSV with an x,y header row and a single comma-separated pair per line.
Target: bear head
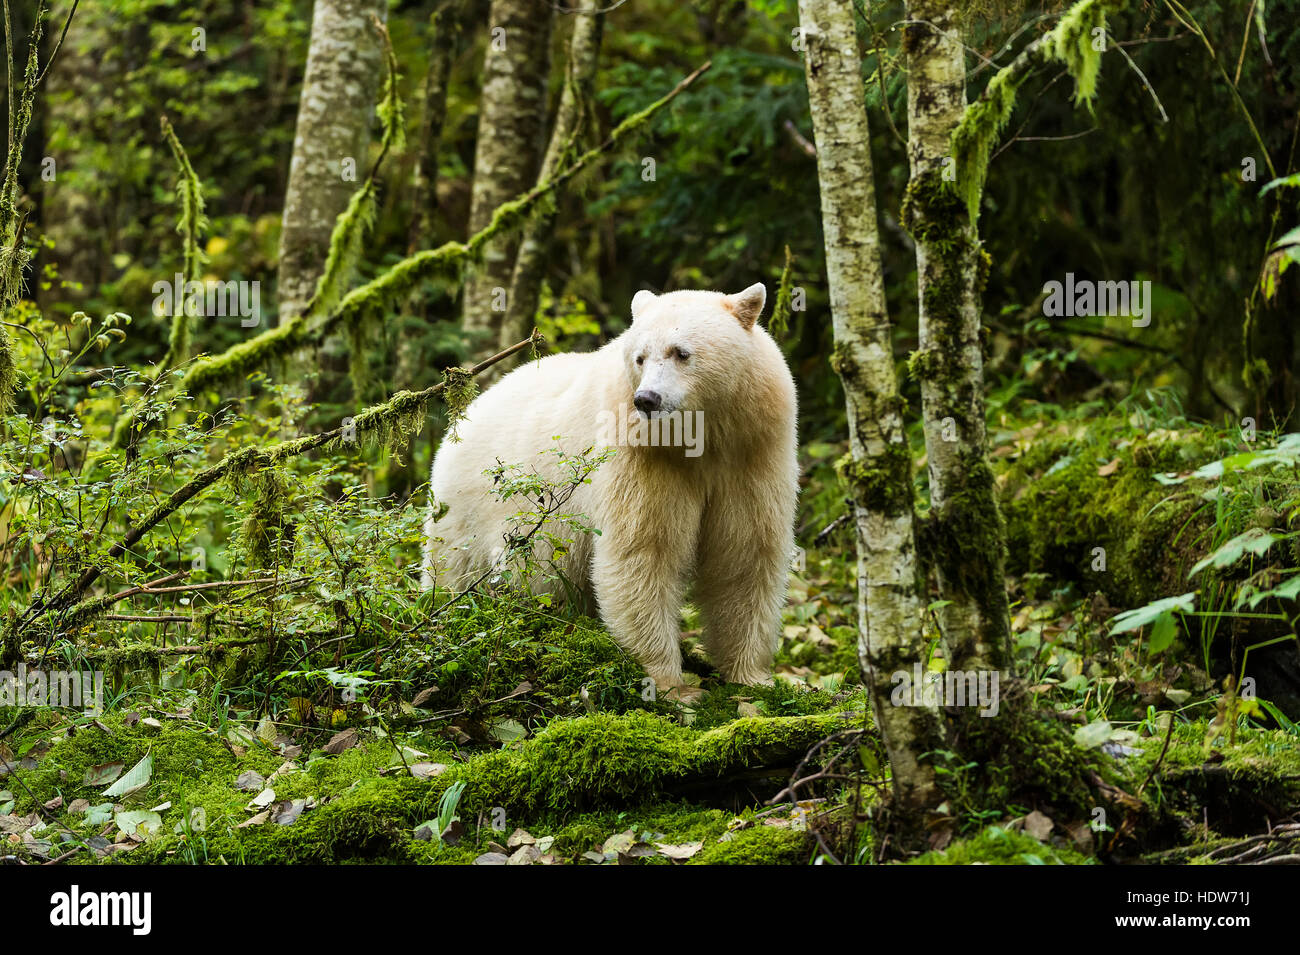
x,y
688,350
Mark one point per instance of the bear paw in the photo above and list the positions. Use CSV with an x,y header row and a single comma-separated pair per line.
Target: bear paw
x,y
684,694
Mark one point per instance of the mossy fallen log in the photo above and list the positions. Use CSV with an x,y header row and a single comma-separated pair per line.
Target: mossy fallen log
x,y
366,806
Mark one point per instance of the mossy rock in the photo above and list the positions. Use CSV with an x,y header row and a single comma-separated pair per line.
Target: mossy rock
x,y
1058,508
1237,787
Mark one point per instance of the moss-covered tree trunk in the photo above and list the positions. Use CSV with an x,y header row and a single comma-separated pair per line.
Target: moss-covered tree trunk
x,y
879,469
963,537
530,262
344,65
512,110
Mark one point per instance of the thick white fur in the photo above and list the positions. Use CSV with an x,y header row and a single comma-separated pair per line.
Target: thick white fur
x,y
722,519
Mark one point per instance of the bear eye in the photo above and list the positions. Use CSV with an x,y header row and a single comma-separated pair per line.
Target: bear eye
x,y
640,359
681,354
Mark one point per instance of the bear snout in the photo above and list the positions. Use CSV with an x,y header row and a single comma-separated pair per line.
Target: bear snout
x,y
647,402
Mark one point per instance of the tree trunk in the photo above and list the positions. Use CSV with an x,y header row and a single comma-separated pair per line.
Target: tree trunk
x,y
963,540
344,65
530,263
511,114
879,474
411,371
447,25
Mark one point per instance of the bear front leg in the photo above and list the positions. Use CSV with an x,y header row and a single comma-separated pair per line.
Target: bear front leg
x,y
741,580
639,572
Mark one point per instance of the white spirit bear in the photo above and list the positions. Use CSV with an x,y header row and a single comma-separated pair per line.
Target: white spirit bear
x,y
699,405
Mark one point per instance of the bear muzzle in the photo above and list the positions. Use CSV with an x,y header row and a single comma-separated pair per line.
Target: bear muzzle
x,y
647,402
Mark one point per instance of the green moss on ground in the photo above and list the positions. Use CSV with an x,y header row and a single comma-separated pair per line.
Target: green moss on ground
x,y
1046,767
617,765
997,846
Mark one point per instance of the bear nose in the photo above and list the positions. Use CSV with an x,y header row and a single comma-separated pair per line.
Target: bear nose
x,y
647,401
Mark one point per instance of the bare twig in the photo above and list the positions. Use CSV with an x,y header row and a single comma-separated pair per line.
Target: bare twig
x,y
799,139
54,54
1169,734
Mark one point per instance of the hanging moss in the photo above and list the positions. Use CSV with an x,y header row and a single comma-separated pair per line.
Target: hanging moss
x,y
360,334
347,245
447,262
13,262
190,225
458,393
392,423
974,137
780,320
1070,42
1073,44
13,254
268,531
8,372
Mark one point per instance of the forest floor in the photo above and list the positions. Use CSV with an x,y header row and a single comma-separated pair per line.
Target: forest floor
x,y
514,734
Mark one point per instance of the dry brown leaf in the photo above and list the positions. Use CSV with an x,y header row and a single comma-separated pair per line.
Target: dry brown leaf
x,y
341,741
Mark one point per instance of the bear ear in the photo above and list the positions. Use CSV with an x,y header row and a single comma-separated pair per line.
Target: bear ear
x,y
746,305
640,301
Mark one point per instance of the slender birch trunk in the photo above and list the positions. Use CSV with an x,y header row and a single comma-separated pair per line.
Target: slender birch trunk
x,y
511,114
963,540
879,474
339,88
530,262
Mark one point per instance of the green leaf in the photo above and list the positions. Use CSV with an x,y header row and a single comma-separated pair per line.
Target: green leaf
x,y
1133,619
1281,718
1163,633
1092,735
1291,238
138,822
98,815
103,774
1291,180
508,730
1255,541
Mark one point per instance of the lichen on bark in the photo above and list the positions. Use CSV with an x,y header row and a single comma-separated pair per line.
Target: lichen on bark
x,y
963,533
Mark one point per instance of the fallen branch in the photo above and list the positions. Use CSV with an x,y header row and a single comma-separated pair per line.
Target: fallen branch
x,y
210,585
